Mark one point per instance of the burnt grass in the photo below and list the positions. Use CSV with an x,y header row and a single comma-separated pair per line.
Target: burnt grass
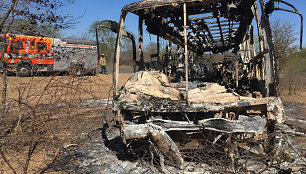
x,y
98,150
84,138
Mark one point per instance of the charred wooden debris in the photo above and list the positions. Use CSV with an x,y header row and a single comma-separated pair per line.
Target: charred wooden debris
x,y
185,100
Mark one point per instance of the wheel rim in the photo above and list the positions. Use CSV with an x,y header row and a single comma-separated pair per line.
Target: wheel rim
x,y
78,71
24,70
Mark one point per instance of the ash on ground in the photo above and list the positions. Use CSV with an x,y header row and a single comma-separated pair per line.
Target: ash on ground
x,y
102,151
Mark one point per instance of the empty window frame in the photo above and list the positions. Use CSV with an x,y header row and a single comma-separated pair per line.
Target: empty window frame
x,y
16,46
3,44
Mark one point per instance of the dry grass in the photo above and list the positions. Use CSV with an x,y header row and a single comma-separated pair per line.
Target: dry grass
x,y
54,87
44,113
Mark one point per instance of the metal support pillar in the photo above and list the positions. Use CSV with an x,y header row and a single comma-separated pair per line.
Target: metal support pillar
x,y
186,51
117,55
140,43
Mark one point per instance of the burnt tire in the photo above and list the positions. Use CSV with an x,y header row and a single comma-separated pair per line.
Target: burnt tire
x,y
24,70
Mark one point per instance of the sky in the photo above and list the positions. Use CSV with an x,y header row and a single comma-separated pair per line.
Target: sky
x,y
88,11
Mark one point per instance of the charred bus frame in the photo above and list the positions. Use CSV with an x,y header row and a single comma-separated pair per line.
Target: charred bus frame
x,y
201,26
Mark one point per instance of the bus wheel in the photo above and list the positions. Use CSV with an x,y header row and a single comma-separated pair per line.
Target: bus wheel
x,y
24,70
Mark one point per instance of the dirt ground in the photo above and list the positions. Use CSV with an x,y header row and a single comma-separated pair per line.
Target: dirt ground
x,y
92,86
298,86
72,131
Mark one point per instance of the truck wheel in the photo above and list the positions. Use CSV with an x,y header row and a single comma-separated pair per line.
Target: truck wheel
x,y
24,70
78,71
93,72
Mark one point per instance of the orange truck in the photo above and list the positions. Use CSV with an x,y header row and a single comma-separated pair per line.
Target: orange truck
x,y
26,55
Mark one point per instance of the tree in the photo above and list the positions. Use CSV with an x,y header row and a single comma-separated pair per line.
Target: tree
x,y
34,12
284,39
32,17
25,27
150,49
107,40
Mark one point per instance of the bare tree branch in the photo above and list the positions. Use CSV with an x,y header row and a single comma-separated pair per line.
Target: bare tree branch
x,y
6,160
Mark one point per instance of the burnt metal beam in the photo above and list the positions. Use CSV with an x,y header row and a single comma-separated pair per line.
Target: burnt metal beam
x,y
140,43
186,52
220,28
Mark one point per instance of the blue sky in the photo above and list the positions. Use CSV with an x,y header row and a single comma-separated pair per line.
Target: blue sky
x,y
88,11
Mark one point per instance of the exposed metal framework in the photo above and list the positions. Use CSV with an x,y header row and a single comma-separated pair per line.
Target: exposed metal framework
x,y
216,26
165,109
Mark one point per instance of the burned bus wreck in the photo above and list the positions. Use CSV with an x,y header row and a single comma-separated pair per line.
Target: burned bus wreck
x,y
185,101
